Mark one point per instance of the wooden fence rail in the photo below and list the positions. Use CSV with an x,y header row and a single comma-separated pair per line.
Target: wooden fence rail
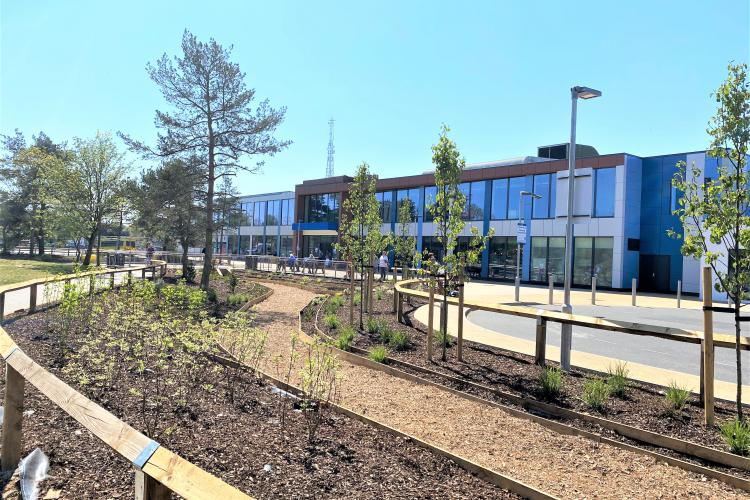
x,y
158,471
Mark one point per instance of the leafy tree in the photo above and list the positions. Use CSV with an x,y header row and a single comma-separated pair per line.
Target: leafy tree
x,y
12,218
405,243
168,204
714,212
359,228
212,119
93,185
228,213
446,211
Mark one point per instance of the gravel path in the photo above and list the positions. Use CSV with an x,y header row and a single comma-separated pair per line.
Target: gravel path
x,y
564,466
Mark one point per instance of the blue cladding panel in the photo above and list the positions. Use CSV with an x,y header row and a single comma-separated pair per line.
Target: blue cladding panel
x,y
656,217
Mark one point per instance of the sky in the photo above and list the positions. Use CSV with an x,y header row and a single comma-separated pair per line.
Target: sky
x,y
389,73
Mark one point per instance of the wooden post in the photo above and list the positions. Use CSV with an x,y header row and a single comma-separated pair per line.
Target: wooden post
x,y
395,293
708,348
679,292
430,321
632,299
2,306
143,274
370,290
112,280
351,294
551,299
148,488
541,341
593,290
400,308
12,420
460,346
130,277
32,298
702,389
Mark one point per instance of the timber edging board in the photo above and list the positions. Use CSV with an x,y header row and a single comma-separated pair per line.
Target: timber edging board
x,y
685,447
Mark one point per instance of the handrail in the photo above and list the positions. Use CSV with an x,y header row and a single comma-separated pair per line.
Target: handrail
x,y
156,466
664,332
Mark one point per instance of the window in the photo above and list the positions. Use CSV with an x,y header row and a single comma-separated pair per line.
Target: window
x,y
259,213
257,247
286,245
604,192
385,201
499,199
432,245
543,188
322,207
248,210
592,257
287,212
413,196
475,201
245,242
272,213
515,186
430,194
465,188
503,257
547,257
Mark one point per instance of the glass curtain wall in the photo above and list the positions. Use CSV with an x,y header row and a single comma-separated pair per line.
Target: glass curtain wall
x,y
319,247
430,193
259,213
245,243
592,256
547,258
503,257
515,186
286,246
604,192
411,194
431,244
287,212
542,208
385,202
322,207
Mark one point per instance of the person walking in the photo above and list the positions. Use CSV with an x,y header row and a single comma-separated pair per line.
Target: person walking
x,y
383,265
149,253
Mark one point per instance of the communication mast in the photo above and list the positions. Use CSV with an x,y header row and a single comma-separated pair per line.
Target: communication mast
x,y
329,165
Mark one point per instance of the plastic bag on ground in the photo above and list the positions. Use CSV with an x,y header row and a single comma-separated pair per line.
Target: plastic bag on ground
x,y
33,470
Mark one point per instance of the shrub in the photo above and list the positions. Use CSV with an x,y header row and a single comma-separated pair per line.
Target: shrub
x,y
378,354
379,294
596,393
441,337
374,325
357,299
246,345
308,313
237,299
232,282
345,339
550,378
331,321
211,296
736,434
617,379
319,385
334,304
398,340
676,396
189,273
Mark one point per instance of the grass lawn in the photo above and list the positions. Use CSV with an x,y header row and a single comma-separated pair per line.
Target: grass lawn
x,y
17,270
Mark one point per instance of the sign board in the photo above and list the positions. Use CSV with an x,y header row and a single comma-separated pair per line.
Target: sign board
x,y
521,233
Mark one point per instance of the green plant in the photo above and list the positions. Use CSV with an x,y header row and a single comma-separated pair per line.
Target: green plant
x,y
331,321
442,338
319,384
237,299
334,304
232,281
189,275
398,340
617,379
374,325
550,378
245,343
379,294
378,354
211,296
736,433
357,299
308,313
596,393
676,396
345,338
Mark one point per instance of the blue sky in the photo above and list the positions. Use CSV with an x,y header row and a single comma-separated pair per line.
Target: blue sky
x,y
390,73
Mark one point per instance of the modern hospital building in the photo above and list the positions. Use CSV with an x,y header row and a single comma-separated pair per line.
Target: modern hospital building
x,y
622,211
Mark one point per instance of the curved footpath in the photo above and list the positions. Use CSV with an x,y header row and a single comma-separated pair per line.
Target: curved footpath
x,y
564,466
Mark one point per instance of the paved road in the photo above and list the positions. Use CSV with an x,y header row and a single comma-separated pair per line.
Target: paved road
x,y
647,350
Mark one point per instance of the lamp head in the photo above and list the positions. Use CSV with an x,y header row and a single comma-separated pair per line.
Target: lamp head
x,y
585,92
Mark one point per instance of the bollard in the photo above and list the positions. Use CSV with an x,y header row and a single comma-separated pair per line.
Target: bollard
x,y
518,289
430,321
679,292
551,299
633,292
32,298
593,290
708,348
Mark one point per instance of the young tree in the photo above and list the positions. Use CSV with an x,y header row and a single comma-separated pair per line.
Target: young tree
x,y
405,243
168,204
359,228
228,213
93,185
714,213
212,119
447,219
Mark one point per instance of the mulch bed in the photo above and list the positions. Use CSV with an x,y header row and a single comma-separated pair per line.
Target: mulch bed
x,y
644,405
239,442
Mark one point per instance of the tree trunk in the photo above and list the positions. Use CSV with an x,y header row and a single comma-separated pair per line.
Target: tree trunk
x,y
184,258
90,246
738,352
119,232
444,316
208,256
42,208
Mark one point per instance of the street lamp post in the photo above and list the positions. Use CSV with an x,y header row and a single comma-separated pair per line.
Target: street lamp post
x,y
567,329
518,242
